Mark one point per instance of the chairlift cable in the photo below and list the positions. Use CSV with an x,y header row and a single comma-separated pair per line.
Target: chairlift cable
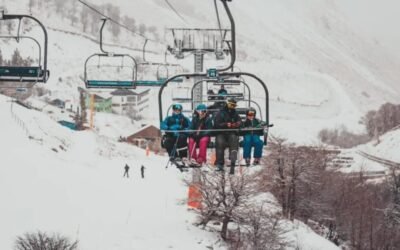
x,y
176,12
117,23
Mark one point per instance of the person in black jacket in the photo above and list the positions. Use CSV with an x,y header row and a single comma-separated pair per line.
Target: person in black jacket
x,y
227,118
126,173
142,171
251,138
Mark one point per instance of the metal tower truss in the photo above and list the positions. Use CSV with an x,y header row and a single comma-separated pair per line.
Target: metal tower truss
x,y
194,40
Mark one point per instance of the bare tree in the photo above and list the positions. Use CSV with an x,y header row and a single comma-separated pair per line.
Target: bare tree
x,y
223,196
261,228
42,241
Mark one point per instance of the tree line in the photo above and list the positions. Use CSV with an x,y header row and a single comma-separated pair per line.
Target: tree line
x,y
377,122
88,21
348,210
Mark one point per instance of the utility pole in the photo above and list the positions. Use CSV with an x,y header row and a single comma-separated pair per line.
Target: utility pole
x,y
198,68
92,110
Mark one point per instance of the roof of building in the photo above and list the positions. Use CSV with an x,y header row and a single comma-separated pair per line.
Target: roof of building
x,y
148,131
126,92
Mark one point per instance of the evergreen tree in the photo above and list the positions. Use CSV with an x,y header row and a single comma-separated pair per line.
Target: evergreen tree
x,y
16,58
1,58
31,5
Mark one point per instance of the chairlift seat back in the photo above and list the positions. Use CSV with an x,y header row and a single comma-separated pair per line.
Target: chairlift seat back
x,y
29,74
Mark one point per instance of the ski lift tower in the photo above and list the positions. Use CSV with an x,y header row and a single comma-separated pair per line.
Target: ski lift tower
x,y
199,42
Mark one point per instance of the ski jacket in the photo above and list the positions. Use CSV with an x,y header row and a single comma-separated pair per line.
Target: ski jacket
x,y
255,123
175,122
225,116
200,124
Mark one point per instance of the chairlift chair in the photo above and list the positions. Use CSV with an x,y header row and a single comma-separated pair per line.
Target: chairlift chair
x,y
105,82
32,74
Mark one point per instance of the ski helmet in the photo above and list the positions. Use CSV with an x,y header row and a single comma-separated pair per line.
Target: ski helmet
x,y
177,106
201,107
251,112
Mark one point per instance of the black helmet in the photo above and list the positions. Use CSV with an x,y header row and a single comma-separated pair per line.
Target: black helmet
x,y
251,111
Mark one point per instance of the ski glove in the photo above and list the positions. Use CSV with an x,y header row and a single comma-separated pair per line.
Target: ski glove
x,y
175,127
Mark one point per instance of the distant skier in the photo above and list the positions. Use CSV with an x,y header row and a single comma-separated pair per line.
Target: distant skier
x,y
126,173
142,171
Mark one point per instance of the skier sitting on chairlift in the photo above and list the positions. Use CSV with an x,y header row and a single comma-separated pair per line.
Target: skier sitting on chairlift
x,y
201,122
218,104
175,141
252,138
226,119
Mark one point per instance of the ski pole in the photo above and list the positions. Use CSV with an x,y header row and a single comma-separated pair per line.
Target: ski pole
x,y
173,150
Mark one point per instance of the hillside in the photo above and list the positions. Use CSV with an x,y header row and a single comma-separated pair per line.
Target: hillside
x,y
334,75
57,180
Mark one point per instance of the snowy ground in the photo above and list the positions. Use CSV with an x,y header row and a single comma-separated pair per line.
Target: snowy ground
x,y
79,191
320,74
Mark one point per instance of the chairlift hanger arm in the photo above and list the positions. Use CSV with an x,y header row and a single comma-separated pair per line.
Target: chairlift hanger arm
x,y
233,36
101,35
144,50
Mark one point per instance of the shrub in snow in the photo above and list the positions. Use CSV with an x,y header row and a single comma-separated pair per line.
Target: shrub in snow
x,y
42,241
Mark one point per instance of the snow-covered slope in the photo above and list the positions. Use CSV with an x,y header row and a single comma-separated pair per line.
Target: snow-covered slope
x,y
71,182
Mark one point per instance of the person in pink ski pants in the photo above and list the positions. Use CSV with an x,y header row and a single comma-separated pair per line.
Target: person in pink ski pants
x,y
199,137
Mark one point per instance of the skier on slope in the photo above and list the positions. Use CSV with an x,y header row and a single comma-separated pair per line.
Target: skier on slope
x,y
126,173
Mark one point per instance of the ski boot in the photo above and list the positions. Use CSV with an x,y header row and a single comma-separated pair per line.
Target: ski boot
x,y
219,168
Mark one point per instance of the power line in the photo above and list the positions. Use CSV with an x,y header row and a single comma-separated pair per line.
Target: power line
x,y
176,12
117,23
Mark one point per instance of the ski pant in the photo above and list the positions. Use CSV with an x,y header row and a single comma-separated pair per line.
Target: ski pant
x,y
250,141
176,146
202,145
126,174
221,142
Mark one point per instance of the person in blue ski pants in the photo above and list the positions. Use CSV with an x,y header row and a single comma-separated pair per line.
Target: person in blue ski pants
x,y
252,138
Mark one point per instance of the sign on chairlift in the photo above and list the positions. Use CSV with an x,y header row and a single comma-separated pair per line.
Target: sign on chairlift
x,y
21,90
212,73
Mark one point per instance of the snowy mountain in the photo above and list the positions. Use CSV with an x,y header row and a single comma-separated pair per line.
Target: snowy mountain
x,y
333,73
321,73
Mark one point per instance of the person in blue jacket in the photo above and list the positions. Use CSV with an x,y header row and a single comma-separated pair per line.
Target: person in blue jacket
x,y
251,138
176,139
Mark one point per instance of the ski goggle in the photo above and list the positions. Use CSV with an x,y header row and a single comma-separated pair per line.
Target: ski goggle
x,y
251,113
